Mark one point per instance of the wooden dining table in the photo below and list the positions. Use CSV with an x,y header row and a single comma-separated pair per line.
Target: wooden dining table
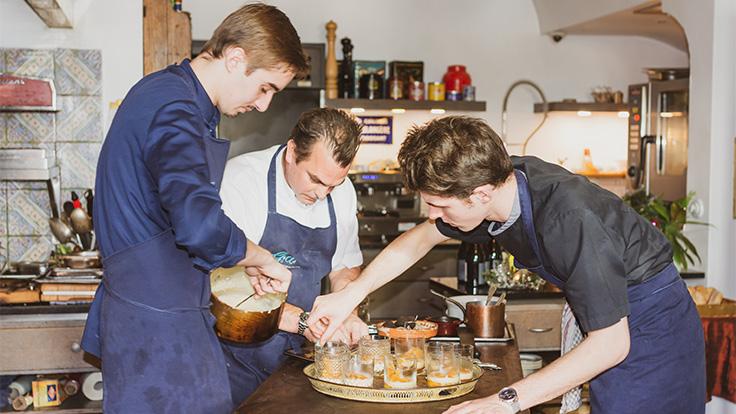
x,y
289,391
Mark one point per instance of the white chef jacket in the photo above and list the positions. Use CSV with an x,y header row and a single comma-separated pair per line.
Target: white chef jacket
x,y
244,194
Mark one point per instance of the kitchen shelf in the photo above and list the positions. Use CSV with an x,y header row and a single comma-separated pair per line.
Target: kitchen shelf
x,y
581,106
409,105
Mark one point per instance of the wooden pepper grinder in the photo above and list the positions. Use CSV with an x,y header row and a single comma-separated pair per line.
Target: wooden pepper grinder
x,y
331,67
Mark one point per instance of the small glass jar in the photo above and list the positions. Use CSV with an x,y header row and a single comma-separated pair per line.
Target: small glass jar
x,y
399,372
359,371
410,347
465,354
375,347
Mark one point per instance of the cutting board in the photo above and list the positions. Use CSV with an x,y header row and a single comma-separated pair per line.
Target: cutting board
x,y
18,291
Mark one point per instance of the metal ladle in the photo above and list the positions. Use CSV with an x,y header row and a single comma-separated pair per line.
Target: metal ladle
x,y
61,231
80,221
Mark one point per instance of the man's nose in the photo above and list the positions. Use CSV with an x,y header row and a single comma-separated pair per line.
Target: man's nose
x,y
263,101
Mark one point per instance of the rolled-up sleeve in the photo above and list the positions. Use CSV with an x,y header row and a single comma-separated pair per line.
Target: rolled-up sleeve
x,y
176,158
589,257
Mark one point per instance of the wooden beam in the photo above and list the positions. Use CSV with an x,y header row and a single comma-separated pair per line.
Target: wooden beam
x,y
51,13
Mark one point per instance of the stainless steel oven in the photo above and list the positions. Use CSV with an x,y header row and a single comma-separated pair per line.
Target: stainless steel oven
x,y
658,134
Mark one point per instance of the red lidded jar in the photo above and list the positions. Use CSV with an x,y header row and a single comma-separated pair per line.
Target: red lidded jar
x,y
456,78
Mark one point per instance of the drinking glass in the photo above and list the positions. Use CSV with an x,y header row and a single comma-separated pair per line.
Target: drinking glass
x,y
400,371
331,360
465,354
375,347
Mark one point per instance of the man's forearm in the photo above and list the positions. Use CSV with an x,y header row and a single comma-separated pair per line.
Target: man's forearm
x,y
598,352
289,320
398,256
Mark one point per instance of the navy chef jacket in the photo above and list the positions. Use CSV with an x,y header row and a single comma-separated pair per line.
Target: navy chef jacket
x,y
153,172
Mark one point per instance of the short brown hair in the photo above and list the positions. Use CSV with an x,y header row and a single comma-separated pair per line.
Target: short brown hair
x,y
267,37
339,130
451,156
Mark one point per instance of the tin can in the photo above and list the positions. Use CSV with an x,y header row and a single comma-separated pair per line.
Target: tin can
x,y
469,93
454,96
395,88
436,91
416,91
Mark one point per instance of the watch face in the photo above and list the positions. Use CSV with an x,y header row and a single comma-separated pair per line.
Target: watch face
x,y
507,394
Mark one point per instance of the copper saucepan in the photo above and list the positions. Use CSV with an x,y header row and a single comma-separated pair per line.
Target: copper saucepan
x,y
253,320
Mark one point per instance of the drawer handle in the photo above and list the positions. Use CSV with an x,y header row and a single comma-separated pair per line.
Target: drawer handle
x,y
539,330
76,347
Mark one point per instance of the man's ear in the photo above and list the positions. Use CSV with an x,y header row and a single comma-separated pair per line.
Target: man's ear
x,y
482,194
290,153
235,59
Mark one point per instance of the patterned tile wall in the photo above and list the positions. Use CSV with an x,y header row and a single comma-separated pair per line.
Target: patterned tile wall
x,y
72,138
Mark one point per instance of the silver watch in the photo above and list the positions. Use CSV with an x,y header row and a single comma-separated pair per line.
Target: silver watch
x,y
302,324
509,397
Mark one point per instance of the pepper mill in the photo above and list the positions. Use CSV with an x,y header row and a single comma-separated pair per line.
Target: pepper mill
x,y
331,67
346,84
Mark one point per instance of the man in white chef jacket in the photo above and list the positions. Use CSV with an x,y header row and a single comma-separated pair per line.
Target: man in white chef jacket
x,y
297,201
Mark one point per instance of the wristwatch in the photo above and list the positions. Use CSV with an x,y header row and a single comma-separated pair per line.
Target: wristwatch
x,y
302,324
509,397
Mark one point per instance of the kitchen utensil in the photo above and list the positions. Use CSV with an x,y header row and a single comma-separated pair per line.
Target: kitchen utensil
x,y
75,200
450,300
61,231
446,325
501,298
243,301
486,321
31,268
68,208
81,222
491,290
89,197
81,260
258,318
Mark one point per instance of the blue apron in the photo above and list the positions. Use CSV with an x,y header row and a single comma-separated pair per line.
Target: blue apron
x,y
664,371
310,253
151,326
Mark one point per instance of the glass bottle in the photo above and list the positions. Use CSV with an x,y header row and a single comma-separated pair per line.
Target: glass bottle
x,y
461,251
475,267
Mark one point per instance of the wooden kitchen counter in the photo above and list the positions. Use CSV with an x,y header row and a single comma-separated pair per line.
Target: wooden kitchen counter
x,y
288,390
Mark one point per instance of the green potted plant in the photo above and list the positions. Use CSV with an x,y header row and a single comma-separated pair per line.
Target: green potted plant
x,y
670,218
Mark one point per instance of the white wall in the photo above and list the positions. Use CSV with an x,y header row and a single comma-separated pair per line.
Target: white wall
x,y
710,32
114,27
499,42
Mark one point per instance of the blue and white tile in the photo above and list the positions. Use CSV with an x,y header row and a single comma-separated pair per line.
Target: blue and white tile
x,y
3,135
36,63
2,59
28,212
79,119
3,209
34,248
78,164
28,129
78,72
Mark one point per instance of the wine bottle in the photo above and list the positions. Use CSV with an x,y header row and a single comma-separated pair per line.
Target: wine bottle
x,y
461,251
475,265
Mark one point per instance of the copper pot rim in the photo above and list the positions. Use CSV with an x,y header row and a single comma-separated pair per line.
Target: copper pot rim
x,y
237,311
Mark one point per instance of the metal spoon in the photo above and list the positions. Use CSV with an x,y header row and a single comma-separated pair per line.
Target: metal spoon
x,y
61,230
80,221
243,301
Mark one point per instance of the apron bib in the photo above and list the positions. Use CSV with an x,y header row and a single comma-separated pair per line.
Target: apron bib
x,y
664,371
309,251
151,326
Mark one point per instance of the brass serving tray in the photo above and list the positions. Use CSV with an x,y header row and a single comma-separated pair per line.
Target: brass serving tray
x,y
392,395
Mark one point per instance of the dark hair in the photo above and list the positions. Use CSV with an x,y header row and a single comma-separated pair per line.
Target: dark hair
x,y
452,156
339,130
267,37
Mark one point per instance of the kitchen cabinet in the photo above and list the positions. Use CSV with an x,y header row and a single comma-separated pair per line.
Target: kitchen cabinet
x,y
537,323
47,344
389,104
167,35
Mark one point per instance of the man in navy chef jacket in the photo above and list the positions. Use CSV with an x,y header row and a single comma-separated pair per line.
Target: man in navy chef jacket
x,y
644,349
160,224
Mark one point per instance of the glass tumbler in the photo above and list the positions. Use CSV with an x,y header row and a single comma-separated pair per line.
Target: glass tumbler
x,y
465,354
442,365
410,347
375,347
359,371
400,371
331,360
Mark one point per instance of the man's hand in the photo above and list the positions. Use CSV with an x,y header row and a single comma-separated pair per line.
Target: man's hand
x,y
354,329
330,311
265,273
487,405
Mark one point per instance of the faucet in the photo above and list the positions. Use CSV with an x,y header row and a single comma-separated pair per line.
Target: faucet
x,y
504,114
